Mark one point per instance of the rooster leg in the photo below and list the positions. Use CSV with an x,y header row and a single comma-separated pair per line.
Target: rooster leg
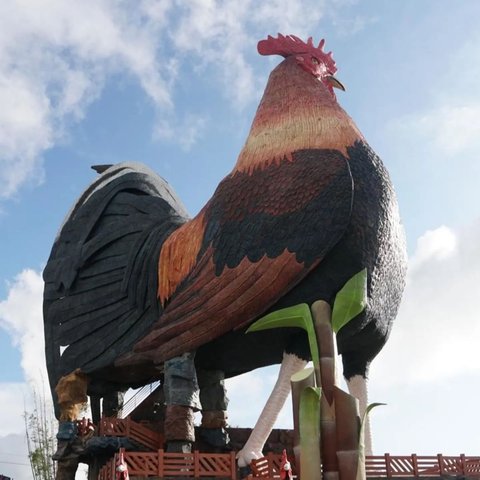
x,y
113,403
213,398
357,386
182,400
71,393
253,448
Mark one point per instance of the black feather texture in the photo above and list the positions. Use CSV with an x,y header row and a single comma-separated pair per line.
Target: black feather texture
x,y
374,239
284,206
101,278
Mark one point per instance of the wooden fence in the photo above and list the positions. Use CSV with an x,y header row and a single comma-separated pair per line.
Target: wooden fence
x,y
388,466
198,465
268,467
421,466
119,427
107,472
161,464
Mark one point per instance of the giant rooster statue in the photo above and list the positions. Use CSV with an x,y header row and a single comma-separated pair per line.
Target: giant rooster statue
x,y
133,285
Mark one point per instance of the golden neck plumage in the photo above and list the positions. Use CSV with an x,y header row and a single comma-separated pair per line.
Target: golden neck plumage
x,y
296,112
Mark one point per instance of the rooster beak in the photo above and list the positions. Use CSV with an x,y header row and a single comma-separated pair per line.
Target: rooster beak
x,y
334,82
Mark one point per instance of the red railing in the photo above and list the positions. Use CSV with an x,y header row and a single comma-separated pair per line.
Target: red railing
x,y
421,466
119,427
107,472
388,466
161,464
198,465
268,467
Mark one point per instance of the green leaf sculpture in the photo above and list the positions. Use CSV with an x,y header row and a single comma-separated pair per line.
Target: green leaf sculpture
x,y
298,316
361,441
350,300
310,459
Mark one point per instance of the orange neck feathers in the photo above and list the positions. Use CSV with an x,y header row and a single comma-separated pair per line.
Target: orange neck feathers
x,y
296,112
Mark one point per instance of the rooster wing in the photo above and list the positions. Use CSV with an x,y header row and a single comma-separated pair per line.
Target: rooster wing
x,y
263,231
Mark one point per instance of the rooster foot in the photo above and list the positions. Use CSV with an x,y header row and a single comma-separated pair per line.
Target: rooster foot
x,y
245,456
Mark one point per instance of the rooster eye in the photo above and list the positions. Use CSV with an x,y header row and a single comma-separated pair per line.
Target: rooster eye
x,y
315,61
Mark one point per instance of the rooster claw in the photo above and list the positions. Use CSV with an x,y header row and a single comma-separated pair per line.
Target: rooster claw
x,y
244,458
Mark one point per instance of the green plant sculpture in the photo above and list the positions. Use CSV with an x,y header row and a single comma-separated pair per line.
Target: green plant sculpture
x,y
329,429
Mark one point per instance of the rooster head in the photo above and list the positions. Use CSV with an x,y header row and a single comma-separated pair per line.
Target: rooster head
x,y
310,58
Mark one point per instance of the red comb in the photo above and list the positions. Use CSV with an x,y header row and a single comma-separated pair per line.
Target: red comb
x,y
291,45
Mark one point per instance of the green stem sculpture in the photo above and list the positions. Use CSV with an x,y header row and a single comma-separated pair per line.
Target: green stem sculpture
x,y
330,432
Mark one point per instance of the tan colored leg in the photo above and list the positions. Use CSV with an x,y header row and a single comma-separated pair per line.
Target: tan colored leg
x,y
357,386
253,448
72,394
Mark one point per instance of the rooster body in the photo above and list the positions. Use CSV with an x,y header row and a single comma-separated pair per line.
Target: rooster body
x,y
133,282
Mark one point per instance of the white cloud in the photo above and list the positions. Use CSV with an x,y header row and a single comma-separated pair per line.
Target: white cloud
x,y
435,245
462,72
14,399
186,132
14,457
54,58
450,129
346,26
25,130
449,125
223,34
289,17
14,461
437,332
21,317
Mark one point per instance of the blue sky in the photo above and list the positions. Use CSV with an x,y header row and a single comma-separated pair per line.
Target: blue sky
x,y
175,85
